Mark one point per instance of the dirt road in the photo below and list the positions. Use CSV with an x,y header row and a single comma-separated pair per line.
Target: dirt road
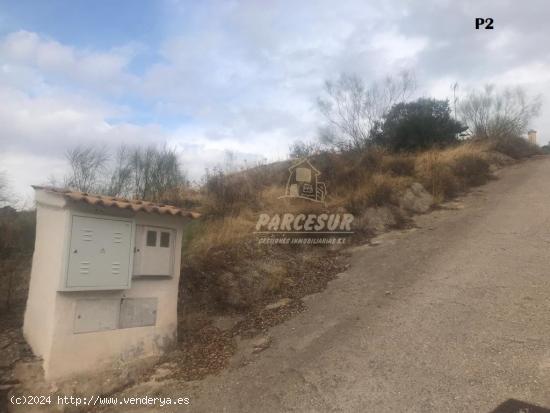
x,y
451,316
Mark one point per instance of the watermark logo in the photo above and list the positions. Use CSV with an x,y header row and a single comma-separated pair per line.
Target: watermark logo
x,y
303,182
291,228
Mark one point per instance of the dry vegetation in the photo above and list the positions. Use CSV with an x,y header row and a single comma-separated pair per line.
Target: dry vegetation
x,y
225,266
228,272
228,267
16,246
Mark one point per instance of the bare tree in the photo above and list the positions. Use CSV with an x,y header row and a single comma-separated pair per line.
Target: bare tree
x,y
300,149
499,113
86,163
120,183
149,173
152,172
351,107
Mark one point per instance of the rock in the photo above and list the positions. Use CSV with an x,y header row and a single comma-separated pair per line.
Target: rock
x,y
278,304
416,199
261,343
28,371
163,371
376,219
499,159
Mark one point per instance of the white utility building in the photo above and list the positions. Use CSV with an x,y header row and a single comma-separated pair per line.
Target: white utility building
x,y
104,280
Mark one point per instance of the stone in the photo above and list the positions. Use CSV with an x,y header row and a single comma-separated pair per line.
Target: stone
x,y
163,371
416,199
261,343
278,304
376,219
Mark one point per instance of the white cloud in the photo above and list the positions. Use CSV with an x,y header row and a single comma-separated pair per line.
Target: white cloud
x,y
105,69
25,169
396,48
243,76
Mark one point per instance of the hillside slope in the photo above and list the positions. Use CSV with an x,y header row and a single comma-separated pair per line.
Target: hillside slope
x,y
451,316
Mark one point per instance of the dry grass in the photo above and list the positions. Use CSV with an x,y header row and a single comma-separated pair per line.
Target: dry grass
x,y
514,147
446,172
224,241
399,165
215,234
355,182
436,175
377,190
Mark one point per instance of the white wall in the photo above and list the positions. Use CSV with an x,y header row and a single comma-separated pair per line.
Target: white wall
x,y
47,264
49,318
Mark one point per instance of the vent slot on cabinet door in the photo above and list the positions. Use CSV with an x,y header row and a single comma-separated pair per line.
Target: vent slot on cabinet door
x,y
117,237
87,234
115,268
84,267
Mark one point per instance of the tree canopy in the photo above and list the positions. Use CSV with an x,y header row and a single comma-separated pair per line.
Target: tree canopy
x,y
416,125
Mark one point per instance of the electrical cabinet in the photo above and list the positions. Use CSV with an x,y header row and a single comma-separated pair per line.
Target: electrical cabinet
x,y
154,251
99,254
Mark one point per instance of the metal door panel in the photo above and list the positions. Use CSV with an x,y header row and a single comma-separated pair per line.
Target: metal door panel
x,y
99,254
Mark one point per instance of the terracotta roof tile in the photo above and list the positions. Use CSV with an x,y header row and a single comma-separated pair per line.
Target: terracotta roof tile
x,y
121,203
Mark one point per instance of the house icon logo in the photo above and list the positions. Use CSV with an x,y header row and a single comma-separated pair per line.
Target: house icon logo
x,y
303,182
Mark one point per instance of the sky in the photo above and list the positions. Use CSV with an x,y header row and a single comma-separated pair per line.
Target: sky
x,y
207,77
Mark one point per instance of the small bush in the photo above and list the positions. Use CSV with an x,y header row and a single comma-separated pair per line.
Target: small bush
x,y
400,165
211,236
471,168
378,190
181,197
515,147
228,193
436,175
372,159
17,232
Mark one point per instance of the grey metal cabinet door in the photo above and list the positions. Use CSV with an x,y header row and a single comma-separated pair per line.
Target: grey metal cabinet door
x,y
99,255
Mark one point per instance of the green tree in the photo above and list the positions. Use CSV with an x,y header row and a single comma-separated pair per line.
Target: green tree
x,y
421,124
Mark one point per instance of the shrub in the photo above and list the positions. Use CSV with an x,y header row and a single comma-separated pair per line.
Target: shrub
x,y
228,193
400,165
499,113
436,175
378,190
515,147
371,159
421,124
17,232
471,168
215,235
